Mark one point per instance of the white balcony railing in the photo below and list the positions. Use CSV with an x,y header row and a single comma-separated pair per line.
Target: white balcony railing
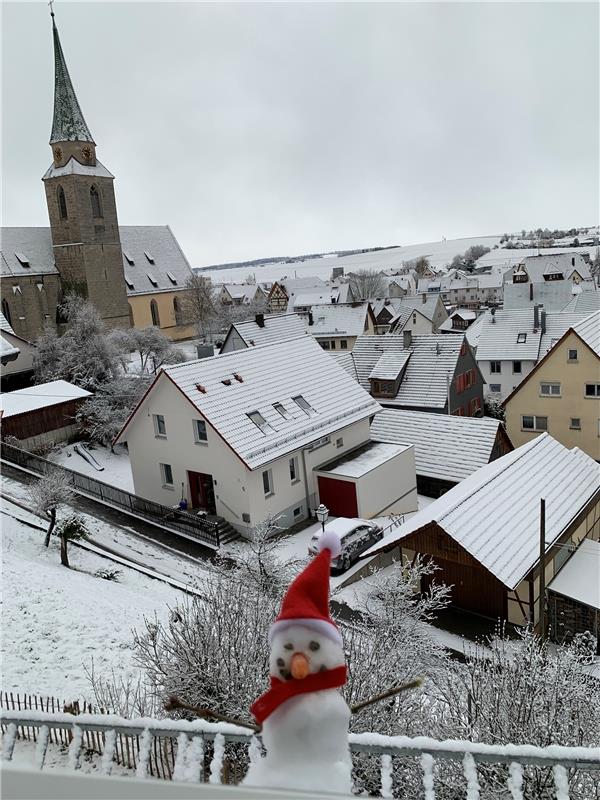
x,y
201,755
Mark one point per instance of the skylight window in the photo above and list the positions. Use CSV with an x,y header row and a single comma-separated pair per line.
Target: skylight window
x,y
281,409
149,256
128,258
261,423
302,403
152,279
23,260
172,278
521,338
129,282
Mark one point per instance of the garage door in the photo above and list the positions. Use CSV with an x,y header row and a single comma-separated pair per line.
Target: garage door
x,y
338,496
472,588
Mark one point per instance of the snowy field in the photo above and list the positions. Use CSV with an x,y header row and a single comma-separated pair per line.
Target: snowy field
x,y
117,468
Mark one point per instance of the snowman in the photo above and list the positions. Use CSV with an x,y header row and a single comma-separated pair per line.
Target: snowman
x,y
304,718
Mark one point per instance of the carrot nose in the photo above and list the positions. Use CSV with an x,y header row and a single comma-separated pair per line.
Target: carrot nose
x,y
299,666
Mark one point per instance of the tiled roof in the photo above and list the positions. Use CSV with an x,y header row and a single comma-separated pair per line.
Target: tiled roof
x,y
549,263
415,302
425,380
5,325
553,295
500,332
495,512
336,319
268,375
584,303
589,330
68,124
73,167
157,241
446,447
578,579
390,365
246,291
277,327
556,327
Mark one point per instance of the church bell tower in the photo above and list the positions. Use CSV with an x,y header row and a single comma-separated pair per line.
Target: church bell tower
x,y
81,206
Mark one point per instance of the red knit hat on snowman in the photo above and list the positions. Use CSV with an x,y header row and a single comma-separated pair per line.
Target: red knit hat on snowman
x,y
306,603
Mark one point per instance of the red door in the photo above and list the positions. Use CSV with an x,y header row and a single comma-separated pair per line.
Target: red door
x,y
201,491
338,496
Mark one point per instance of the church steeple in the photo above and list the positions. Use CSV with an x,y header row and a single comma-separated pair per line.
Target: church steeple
x,y
68,124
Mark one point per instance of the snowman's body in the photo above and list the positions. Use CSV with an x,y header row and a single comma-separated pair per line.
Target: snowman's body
x,y
306,740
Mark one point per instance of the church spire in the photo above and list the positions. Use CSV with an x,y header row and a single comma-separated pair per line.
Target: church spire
x,y
68,124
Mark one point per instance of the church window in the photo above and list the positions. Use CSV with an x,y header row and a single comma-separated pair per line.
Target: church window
x,y
130,314
177,310
6,310
62,203
154,313
95,200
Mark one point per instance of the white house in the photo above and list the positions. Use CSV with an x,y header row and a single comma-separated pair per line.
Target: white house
x,y
240,435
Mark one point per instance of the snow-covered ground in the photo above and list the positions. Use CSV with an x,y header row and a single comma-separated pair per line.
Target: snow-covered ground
x,y
117,468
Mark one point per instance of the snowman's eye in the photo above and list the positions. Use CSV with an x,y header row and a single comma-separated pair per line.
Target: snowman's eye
x,y
314,646
288,646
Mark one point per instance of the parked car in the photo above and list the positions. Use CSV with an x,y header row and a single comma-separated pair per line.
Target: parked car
x,y
356,536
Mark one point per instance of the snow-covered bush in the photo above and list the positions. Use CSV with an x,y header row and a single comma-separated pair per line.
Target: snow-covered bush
x,y
151,345
493,407
69,529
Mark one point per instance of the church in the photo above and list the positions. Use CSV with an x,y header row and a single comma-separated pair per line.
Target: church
x,y
134,275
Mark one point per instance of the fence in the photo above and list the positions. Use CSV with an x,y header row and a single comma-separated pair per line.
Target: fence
x,y
199,528
202,751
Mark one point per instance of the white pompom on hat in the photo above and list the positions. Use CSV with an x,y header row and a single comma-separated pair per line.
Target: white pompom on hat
x,y
306,602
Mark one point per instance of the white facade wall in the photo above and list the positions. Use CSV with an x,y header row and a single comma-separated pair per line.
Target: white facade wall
x,y
239,493
390,488
507,379
418,324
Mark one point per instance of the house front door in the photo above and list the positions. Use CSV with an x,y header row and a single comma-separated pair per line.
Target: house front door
x,y
201,492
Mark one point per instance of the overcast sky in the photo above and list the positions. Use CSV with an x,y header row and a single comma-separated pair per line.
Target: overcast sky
x,y
276,129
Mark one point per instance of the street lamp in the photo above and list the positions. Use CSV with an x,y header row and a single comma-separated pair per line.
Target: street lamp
x,y
322,513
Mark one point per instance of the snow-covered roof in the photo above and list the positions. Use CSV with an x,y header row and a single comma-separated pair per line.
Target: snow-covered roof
x,y
327,398
73,167
242,291
553,295
473,332
390,365
39,396
169,267
276,328
460,313
5,325
556,327
426,304
579,577
363,459
500,334
584,303
551,263
293,284
494,513
425,380
447,447
337,319
589,330
8,351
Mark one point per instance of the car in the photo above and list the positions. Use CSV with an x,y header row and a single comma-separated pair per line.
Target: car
x,y
356,536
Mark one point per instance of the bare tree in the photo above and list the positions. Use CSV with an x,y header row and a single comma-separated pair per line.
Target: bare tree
x,y
152,346
48,494
103,414
421,265
366,284
200,303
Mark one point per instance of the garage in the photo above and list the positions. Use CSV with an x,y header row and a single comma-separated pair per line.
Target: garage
x,y
372,480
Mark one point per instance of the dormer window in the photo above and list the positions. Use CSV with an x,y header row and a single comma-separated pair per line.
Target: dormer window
x,y
302,403
261,423
282,410
381,388
23,260
129,282
95,201
172,278
152,279
128,258
149,256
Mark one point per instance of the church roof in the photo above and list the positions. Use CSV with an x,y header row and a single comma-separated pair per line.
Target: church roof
x,y
68,124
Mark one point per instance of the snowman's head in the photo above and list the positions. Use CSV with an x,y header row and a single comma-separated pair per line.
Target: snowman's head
x,y
298,650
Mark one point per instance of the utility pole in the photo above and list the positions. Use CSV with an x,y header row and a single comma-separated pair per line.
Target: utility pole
x,y
542,568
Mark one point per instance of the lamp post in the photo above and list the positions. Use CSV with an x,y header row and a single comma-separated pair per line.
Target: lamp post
x,y
322,513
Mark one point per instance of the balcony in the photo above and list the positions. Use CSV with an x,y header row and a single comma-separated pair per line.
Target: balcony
x,y
213,757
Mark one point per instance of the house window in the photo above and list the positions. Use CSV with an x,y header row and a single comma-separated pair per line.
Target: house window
x,y
267,478
343,344
550,389
154,313
592,390
383,388
282,410
160,429
532,423
495,388
475,406
294,470
166,474
6,310
62,203
495,367
572,355
575,424
521,338
297,512
304,405
261,423
517,368
200,434
95,201
324,344
339,442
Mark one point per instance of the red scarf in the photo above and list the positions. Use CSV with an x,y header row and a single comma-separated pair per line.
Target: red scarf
x,y
281,691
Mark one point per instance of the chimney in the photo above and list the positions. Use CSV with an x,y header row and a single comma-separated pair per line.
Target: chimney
x,y
493,311
260,320
536,317
543,319
310,318
406,339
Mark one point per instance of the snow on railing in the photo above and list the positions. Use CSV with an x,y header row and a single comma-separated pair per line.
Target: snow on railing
x,y
191,739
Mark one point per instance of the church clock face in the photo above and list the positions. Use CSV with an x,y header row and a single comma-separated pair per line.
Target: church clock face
x,y
57,154
86,152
